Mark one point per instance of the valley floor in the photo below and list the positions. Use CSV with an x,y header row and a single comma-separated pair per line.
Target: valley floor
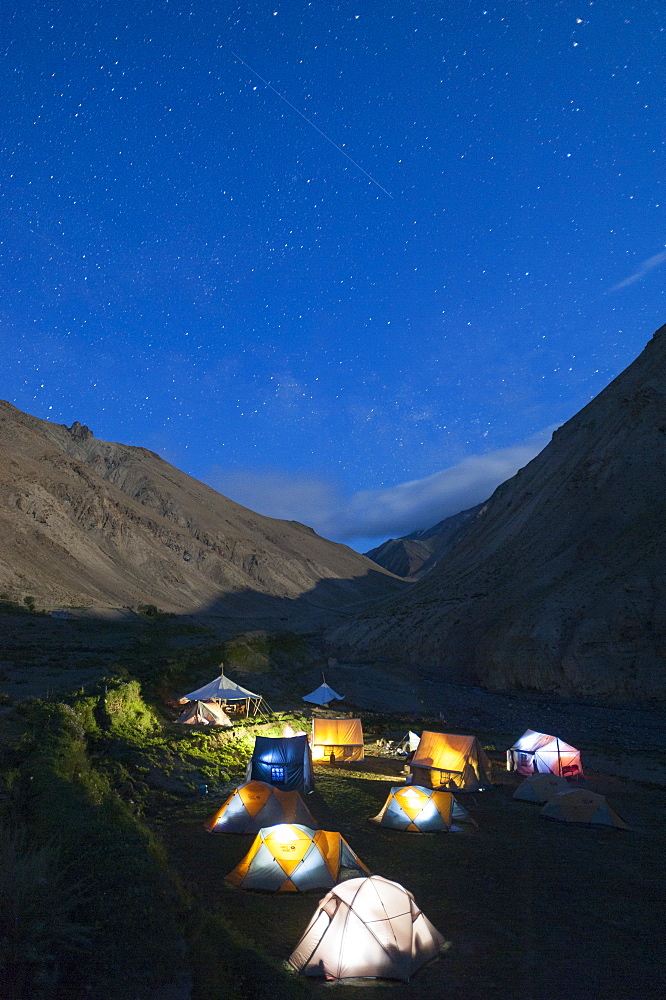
x,y
530,908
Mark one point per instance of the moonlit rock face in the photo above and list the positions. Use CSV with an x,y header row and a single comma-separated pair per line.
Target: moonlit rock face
x,y
558,583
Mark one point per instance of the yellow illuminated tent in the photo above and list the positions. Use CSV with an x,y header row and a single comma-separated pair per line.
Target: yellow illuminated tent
x,y
446,760
255,805
580,806
415,809
293,858
341,737
366,927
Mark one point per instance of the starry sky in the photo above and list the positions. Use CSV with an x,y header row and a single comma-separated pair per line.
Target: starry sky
x,y
348,263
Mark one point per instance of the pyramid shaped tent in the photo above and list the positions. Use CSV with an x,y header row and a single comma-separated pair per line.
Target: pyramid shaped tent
x,y
541,787
447,760
539,752
582,807
282,761
341,737
226,691
366,927
204,713
415,809
255,805
322,695
291,857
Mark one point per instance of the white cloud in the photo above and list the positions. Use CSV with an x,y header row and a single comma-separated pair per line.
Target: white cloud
x,y
377,514
643,269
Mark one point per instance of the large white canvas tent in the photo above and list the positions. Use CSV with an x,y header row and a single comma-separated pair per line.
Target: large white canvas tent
x,y
414,809
538,752
322,695
293,858
255,805
582,807
446,760
226,692
282,761
341,738
366,927
204,713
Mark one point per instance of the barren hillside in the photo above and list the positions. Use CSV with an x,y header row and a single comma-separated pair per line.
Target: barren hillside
x,y
84,521
559,581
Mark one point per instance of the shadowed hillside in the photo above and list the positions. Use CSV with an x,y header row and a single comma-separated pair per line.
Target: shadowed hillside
x,y
559,581
89,522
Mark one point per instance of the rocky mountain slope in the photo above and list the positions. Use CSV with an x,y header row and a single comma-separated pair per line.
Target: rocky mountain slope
x,y
559,582
84,521
415,555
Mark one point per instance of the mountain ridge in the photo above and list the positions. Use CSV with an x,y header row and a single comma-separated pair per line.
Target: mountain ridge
x,y
91,521
558,583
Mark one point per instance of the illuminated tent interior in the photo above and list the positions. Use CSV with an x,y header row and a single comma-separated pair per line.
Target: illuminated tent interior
x,y
582,807
415,809
282,761
204,713
341,737
293,858
322,695
539,752
446,760
540,787
227,693
256,805
366,927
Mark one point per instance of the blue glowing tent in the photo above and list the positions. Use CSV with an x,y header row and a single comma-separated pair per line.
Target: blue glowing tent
x,y
284,762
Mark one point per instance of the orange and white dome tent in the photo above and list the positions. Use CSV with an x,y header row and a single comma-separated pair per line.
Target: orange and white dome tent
x,y
257,804
366,927
290,857
582,807
415,809
539,752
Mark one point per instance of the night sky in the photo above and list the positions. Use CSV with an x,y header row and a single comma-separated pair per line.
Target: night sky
x,y
348,263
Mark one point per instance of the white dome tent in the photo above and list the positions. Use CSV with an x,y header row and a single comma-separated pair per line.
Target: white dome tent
x,y
369,928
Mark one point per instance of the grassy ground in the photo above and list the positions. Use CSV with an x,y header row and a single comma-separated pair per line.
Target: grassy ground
x,y
119,891
530,908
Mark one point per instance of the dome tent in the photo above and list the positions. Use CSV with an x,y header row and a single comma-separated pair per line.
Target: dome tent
x,y
415,809
255,805
290,857
542,753
447,760
582,807
541,787
366,927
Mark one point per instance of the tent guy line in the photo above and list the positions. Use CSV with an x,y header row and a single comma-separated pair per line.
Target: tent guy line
x,y
310,122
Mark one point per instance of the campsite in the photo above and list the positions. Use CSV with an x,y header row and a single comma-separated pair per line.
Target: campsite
x,y
526,907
